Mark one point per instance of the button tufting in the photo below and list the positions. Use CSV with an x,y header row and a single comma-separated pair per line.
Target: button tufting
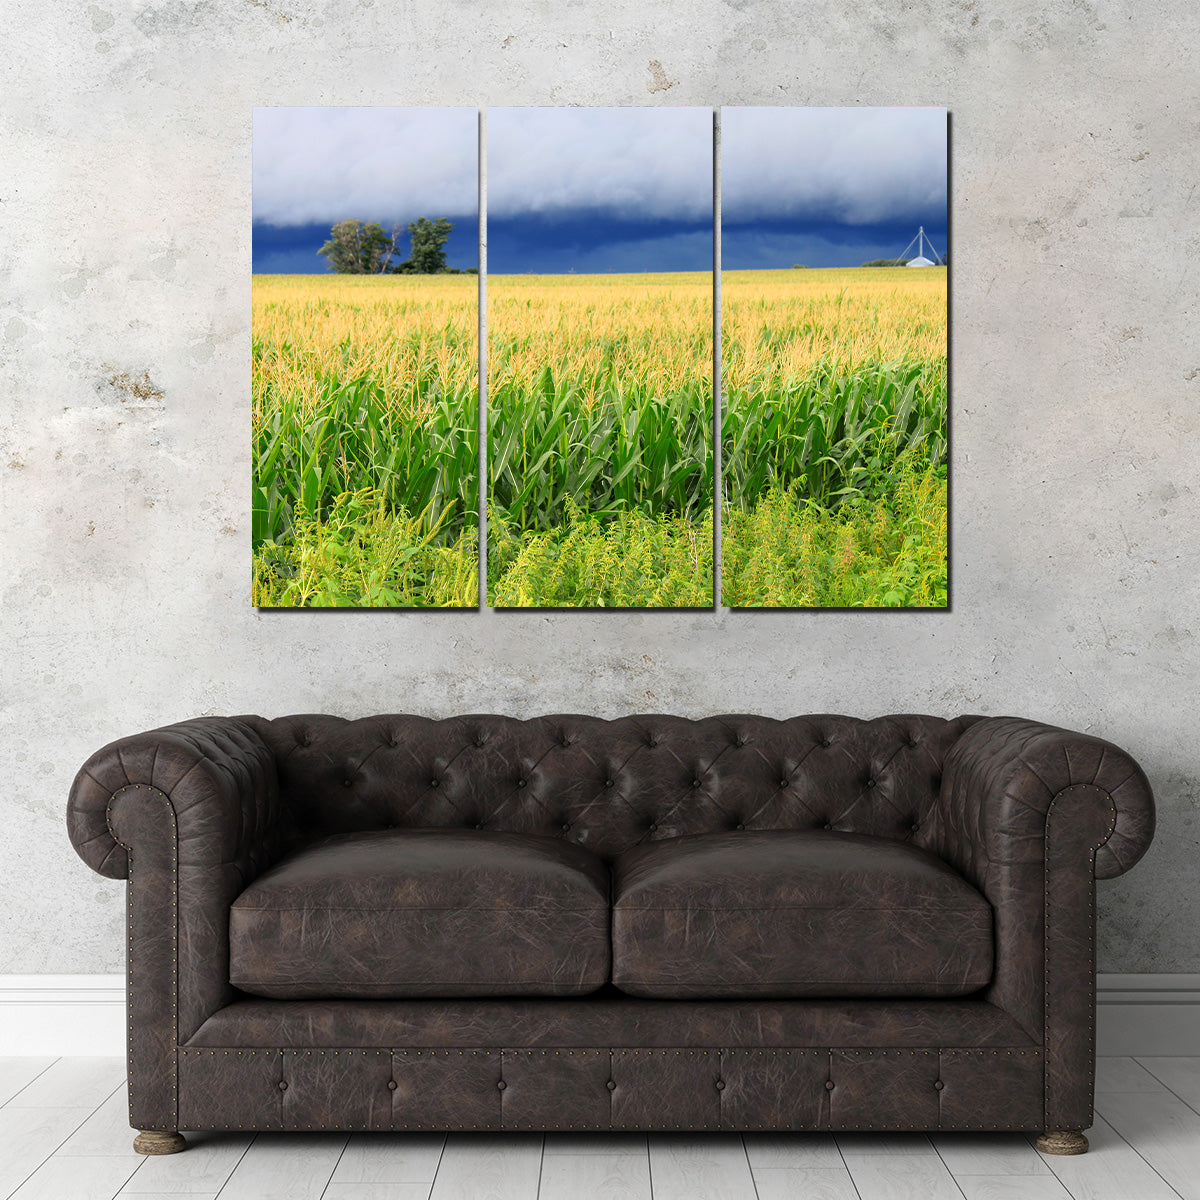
x,y
611,1085
565,826
283,1085
784,782
479,825
521,782
720,1085
827,825
695,783
479,741
608,783
829,1085
501,1085
392,1085
652,828
435,783
739,825
827,741
564,740
939,1085
915,826
870,783
347,783
912,741
652,742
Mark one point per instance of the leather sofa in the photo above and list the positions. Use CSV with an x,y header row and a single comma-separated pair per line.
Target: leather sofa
x,y
649,923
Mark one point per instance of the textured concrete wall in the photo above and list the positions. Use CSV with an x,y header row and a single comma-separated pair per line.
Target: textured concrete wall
x,y
124,424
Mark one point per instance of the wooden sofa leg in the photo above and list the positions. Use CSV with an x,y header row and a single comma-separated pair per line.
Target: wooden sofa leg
x,y
1062,1141
159,1141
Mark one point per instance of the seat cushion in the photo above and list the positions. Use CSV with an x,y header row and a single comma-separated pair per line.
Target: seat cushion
x,y
789,914
429,912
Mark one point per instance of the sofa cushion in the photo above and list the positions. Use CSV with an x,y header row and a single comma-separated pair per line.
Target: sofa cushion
x,y
403,913
783,914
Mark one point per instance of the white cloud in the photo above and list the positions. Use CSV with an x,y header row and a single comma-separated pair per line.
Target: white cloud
x,y
856,166
373,164
633,163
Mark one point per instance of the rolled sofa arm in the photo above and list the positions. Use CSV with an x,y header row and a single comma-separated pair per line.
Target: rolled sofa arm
x,y
1032,816
1001,778
189,814
218,774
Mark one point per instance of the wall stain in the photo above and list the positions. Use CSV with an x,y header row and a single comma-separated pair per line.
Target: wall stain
x,y
658,78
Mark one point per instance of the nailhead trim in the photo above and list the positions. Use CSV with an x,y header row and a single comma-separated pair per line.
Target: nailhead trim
x,y
153,791
1112,824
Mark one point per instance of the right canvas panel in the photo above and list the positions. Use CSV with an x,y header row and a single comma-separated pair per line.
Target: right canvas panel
x,y
834,254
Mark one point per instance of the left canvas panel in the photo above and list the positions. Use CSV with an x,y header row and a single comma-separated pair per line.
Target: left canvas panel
x,y
365,382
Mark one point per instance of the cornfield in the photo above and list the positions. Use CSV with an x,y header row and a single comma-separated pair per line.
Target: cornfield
x,y
833,383
364,385
600,461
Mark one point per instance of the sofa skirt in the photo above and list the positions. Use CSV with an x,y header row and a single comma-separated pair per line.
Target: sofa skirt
x,y
912,1065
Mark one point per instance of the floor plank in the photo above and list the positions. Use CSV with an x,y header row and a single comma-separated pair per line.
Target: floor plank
x,y
28,1136
713,1167
1181,1075
1124,1075
612,1176
1110,1170
808,1150
106,1132
620,1144
488,1168
1012,1187
376,1191
1163,1130
285,1166
902,1177
390,1158
808,1183
891,1144
95,1177
205,1166
72,1083
988,1154
17,1073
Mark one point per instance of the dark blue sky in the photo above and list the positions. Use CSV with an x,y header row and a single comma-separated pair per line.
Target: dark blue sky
x,y
596,243
292,249
756,245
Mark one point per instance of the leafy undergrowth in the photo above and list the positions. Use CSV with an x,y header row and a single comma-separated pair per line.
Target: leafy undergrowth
x,y
886,553
627,560
362,555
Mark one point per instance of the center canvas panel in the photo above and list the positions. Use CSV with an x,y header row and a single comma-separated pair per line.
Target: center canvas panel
x,y
600,357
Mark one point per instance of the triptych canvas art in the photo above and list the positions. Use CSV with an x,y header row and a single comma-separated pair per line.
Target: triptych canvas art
x,y
713,368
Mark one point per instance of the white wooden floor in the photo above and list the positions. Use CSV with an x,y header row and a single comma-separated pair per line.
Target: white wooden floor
x,y
64,1136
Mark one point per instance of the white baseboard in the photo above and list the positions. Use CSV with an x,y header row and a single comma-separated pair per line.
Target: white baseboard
x,y
1148,1014
62,1014
85,1014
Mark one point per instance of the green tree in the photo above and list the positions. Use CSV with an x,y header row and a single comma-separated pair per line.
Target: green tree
x,y
358,248
428,253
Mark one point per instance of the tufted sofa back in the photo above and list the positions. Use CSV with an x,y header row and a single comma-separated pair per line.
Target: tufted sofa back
x,y
609,785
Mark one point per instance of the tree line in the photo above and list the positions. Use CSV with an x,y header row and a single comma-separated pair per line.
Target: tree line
x,y
366,248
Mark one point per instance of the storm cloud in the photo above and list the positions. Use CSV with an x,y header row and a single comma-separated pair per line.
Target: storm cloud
x,y
850,166
633,164
320,165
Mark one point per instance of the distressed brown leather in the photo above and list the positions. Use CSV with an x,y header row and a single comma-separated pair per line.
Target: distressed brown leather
x,y
1029,815
610,1018
667,1088
431,912
783,914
